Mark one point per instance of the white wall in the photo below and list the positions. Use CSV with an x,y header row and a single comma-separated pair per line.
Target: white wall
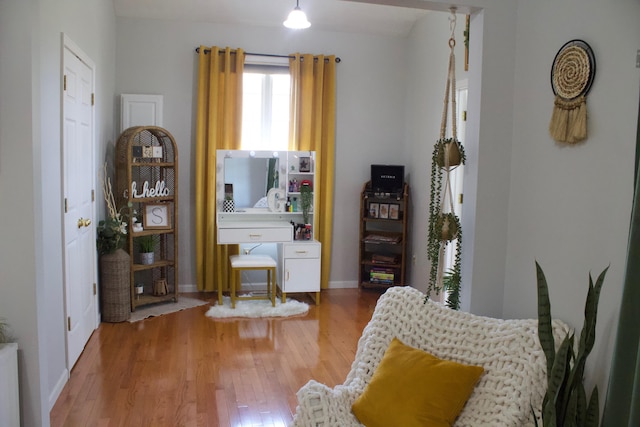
x,y
569,207
157,57
20,284
31,288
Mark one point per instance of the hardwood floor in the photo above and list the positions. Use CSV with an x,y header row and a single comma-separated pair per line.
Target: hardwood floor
x,y
185,369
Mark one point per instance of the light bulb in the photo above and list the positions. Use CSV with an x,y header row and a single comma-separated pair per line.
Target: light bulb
x,y
297,20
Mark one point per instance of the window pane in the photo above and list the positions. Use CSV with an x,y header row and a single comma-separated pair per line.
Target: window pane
x,y
265,111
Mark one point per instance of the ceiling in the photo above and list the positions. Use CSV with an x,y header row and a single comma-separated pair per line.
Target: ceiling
x,y
357,16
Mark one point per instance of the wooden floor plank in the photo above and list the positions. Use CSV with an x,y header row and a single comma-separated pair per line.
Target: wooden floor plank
x,y
185,369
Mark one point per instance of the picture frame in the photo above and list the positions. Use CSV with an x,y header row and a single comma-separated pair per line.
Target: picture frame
x,y
384,211
305,164
373,209
394,211
156,216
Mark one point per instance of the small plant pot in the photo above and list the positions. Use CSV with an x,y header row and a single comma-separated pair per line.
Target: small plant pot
x,y
452,149
147,258
448,224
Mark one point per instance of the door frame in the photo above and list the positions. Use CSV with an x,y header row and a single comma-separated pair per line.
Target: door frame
x,y
69,44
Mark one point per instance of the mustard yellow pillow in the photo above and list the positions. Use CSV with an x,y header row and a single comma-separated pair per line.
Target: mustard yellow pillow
x,y
411,387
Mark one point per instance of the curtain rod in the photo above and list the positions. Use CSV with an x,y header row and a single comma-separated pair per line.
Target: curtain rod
x,y
338,60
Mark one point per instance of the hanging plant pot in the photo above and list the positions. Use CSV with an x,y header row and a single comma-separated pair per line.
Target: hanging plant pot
x,y
449,225
453,149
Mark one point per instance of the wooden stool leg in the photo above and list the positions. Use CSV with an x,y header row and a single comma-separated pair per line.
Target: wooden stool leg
x,y
233,288
271,286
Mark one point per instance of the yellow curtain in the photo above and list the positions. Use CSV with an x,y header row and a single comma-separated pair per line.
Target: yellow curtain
x,y
218,126
312,127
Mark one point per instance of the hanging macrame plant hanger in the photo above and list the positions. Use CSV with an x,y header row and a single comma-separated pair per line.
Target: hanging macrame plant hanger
x,y
449,156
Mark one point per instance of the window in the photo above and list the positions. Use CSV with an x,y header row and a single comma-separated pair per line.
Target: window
x,y
265,107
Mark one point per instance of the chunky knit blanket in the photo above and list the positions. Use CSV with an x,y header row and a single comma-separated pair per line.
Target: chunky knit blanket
x,y
514,380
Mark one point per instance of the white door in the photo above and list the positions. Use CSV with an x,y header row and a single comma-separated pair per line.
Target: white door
x,y
79,224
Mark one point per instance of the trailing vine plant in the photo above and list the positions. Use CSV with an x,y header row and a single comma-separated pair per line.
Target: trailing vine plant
x,y
444,225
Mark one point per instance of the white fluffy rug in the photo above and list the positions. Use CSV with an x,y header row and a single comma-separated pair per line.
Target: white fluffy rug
x,y
257,308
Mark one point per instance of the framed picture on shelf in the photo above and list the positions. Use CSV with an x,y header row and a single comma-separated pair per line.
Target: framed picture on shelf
x,y
394,211
156,217
373,210
305,164
384,211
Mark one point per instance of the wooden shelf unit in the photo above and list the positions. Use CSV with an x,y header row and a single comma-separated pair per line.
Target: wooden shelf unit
x,y
383,238
148,154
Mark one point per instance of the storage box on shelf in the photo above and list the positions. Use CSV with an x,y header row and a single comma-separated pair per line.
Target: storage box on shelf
x,y
383,237
147,181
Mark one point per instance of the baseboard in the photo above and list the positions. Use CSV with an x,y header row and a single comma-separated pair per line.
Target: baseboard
x,y
185,288
343,284
55,393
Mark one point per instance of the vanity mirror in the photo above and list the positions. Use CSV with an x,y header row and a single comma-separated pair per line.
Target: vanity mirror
x,y
251,174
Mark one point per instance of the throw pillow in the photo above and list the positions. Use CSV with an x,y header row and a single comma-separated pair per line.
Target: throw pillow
x,y
411,388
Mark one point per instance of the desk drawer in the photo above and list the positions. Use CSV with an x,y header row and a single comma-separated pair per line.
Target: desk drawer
x,y
258,235
302,250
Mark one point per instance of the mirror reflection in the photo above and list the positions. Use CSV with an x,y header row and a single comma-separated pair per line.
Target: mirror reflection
x,y
251,177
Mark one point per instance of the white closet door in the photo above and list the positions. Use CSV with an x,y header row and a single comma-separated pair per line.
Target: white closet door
x,y
140,110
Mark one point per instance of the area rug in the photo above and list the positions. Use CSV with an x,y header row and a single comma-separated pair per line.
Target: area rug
x,y
165,308
257,308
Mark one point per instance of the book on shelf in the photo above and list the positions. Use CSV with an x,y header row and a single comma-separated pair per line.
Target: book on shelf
x,y
378,238
384,259
381,275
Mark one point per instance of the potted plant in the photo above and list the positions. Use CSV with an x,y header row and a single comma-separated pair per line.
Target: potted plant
x,y
5,335
565,401
444,226
146,248
306,199
114,261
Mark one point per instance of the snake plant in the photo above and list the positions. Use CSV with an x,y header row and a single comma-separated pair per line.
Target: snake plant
x,y
565,402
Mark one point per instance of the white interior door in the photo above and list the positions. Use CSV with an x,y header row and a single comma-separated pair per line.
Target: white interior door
x,y
79,228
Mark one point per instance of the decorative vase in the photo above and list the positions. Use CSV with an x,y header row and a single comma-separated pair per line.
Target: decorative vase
x,y
228,206
146,258
115,291
160,287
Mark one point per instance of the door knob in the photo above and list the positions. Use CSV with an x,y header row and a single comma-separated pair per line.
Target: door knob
x,y
84,222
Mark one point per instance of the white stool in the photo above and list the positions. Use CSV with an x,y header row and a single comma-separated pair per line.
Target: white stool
x,y
239,263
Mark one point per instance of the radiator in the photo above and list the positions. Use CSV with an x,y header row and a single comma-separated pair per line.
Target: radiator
x,y
9,400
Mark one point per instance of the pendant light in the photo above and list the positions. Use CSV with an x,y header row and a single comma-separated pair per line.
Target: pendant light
x,y
297,19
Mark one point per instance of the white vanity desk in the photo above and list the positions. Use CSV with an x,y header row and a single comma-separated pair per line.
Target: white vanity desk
x,y
298,261
234,230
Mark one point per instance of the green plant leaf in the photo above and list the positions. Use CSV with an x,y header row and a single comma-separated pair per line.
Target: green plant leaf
x,y
545,330
592,417
557,379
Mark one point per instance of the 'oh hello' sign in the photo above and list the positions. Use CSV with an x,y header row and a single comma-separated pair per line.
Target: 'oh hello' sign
x,y
159,190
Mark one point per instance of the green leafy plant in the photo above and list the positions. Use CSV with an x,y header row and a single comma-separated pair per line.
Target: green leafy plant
x,y
146,244
5,335
306,198
565,402
444,227
111,231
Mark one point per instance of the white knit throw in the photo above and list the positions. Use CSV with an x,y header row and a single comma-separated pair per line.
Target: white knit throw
x,y
514,380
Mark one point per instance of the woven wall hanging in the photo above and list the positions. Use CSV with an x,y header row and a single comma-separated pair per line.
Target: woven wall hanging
x,y
572,74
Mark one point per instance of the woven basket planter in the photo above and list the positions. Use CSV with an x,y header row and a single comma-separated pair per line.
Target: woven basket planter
x,y
115,290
